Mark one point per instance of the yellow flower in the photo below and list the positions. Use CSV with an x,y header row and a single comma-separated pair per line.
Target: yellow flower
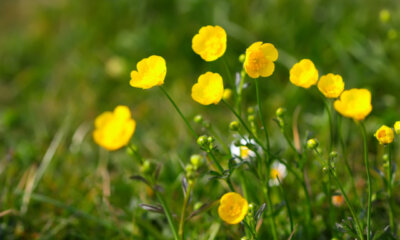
x,y
150,72
260,58
210,42
354,103
384,135
208,89
233,208
397,127
331,85
113,130
304,74
337,200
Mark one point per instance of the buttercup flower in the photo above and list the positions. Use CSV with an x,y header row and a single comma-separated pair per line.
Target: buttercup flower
x,y
337,200
331,85
113,130
208,89
304,74
210,43
277,170
397,127
242,151
384,135
150,72
354,103
260,58
232,208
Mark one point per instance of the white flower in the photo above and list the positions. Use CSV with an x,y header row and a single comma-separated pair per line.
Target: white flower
x,y
242,151
277,170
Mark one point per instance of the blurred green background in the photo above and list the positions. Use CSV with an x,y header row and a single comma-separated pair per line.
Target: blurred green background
x,y
64,62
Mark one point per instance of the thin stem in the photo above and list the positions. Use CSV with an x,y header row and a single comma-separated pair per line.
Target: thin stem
x,y
346,199
287,204
346,161
330,119
364,135
179,111
390,186
228,180
185,202
269,206
262,117
168,215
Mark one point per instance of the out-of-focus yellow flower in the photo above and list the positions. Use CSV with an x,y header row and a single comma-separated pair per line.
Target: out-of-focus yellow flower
x,y
337,200
210,42
115,66
260,58
354,103
331,85
384,135
150,72
208,89
397,127
233,208
113,130
384,15
304,74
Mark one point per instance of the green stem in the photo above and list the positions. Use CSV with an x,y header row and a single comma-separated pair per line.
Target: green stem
x,y
179,111
185,202
390,186
228,180
286,203
168,215
346,160
270,212
364,135
346,199
262,118
330,119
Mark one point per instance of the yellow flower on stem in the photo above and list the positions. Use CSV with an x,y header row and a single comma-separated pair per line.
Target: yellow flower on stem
x,y
397,127
210,42
113,130
260,58
208,89
232,208
304,74
384,135
354,103
150,72
331,85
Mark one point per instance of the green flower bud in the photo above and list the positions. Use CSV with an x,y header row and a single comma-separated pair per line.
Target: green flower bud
x,y
251,118
250,110
385,157
312,143
197,205
280,112
146,167
244,238
210,139
202,140
242,57
234,126
196,160
198,119
384,15
333,154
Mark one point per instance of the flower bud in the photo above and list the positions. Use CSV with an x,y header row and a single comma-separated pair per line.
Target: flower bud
x,y
244,238
197,205
333,154
234,126
280,112
210,139
250,110
385,157
242,57
196,160
146,167
251,118
227,94
202,140
384,15
312,143
397,127
198,119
